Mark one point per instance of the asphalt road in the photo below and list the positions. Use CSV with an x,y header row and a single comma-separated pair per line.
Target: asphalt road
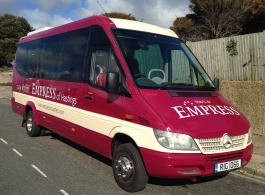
x,y
53,165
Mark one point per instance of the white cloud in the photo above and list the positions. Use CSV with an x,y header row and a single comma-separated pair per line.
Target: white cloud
x,y
39,19
163,15
55,4
159,12
93,8
41,13
10,6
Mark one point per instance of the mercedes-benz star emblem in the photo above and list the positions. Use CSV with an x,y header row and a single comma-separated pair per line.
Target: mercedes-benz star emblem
x,y
227,140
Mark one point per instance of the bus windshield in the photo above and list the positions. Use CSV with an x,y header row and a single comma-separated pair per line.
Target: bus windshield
x,y
161,62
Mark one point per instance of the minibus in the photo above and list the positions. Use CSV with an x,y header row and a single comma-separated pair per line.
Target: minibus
x,y
132,92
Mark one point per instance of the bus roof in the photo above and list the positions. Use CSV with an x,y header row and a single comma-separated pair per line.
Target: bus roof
x,y
141,26
39,30
102,21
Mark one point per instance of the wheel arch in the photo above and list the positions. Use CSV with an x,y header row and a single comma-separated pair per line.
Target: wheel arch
x,y
30,106
135,134
121,138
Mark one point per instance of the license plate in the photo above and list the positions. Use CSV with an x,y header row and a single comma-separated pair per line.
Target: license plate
x,y
226,166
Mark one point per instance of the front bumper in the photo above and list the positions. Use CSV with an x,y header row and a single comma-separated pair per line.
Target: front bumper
x,y
169,165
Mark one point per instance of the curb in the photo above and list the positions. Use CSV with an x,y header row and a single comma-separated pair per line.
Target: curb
x,y
250,177
257,172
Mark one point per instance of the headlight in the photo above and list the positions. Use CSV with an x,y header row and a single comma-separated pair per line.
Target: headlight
x,y
175,141
249,136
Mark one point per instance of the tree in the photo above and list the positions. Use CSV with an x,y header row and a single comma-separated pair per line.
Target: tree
x,y
220,18
187,29
215,18
12,28
119,15
256,18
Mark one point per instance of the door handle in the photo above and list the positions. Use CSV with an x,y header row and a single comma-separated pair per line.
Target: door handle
x,y
89,96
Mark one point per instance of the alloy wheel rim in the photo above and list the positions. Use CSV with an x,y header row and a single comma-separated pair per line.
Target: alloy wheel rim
x,y
29,124
124,168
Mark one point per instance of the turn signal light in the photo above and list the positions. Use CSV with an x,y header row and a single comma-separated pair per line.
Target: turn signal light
x,y
129,117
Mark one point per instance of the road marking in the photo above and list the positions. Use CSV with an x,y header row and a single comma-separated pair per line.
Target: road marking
x,y
37,169
17,152
64,192
3,141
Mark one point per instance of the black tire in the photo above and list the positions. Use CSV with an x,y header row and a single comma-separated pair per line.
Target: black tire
x,y
32,129
43,132
128,168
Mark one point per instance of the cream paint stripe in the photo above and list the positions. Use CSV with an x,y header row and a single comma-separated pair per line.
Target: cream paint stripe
x,y
100,123
108,126
146,138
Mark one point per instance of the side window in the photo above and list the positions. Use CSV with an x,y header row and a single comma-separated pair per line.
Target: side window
x,y
98,36
21,58
72,59
33,61
50,57
102,62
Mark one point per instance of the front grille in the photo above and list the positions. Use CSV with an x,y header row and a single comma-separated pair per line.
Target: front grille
x,y
210,145
225,157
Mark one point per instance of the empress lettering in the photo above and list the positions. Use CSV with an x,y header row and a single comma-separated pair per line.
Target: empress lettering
x,y
192,110
51,93
44,91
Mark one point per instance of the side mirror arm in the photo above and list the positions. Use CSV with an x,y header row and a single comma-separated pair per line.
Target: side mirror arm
x,y
216,83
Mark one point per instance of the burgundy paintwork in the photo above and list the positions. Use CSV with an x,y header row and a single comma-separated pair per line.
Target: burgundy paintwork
x,y
168,165
203,125
151,108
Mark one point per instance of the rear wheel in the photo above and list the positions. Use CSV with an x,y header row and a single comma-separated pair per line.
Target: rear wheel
x,y
128,168
32,128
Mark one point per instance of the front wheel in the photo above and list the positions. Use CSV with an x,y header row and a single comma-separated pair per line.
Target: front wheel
x,y
32,128
128,168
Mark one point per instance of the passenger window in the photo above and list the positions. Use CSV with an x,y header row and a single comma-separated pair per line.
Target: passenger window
x,y
33,61
50,57
102,62
21,58
71,63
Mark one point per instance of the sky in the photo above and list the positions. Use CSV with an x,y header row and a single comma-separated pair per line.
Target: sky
x,y
51,13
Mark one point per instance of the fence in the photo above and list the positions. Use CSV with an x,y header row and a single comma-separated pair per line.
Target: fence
x,y
247,65
242,76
